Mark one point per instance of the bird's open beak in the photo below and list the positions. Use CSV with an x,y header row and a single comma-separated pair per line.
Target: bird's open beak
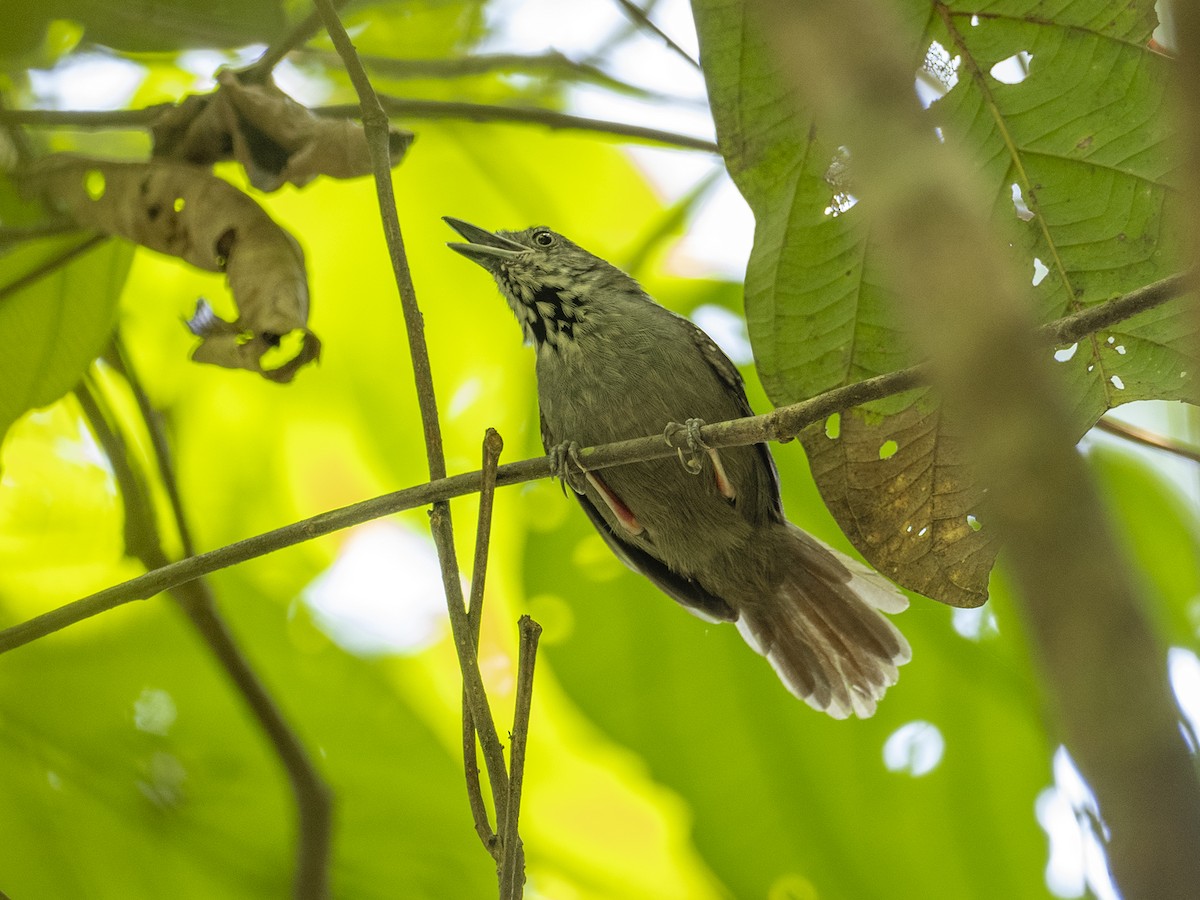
x,y
485,247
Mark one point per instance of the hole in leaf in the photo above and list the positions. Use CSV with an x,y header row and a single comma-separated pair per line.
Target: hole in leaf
x,y
938,74
974,523
1066,353
1120,348
837,176
833,426
1024,213
179,204
1013,70
974,21
94,184
888,449
1117,382
924,531
1040,271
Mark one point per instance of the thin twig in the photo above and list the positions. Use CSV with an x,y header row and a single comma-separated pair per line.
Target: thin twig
x,y
551,63
144,542
375,124
512,868
397,106
639,18
1149,438
492,445
304,31
781,424
52,265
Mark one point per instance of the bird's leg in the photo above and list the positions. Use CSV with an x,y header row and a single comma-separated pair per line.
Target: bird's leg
x,y
693,462
567,467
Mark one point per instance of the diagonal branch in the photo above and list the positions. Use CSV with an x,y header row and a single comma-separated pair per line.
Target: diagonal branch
x,y
375,124
781,424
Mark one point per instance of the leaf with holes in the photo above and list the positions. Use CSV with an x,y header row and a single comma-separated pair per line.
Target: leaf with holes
x,y
1066,116
188,212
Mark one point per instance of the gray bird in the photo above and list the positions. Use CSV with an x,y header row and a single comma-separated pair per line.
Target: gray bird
x,y
612,364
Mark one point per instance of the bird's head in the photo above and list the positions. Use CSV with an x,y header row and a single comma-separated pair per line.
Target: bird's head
x,y
552,284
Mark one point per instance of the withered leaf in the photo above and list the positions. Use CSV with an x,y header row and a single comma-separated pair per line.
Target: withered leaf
x,y
276,139
188,212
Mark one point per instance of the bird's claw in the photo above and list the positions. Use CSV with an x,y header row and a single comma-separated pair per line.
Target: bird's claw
x,y
566,466
693,462
688,434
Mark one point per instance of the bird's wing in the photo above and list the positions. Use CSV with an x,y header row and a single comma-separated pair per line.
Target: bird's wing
x,y
687,592
723,366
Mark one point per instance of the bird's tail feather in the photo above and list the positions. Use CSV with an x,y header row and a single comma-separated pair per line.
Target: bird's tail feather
x,y
823,630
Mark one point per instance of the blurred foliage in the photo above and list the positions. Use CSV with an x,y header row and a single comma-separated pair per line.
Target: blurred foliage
x,y
665,759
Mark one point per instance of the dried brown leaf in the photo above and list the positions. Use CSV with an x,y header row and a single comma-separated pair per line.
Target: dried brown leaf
x,y
276,139
186,211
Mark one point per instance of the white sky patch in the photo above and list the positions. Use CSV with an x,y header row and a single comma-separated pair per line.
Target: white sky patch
x,y
1183,666
383,594
86,81
1069,814
727,329
915,748
975,624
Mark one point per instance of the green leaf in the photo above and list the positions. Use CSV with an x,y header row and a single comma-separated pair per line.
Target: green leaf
x,y
149,26
1083,137
58,301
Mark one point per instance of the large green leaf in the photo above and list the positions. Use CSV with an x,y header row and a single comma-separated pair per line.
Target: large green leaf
x,y
58,300
146,26
1083,139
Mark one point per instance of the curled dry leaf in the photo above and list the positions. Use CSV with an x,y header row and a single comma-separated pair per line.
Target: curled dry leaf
x,y
190,213
275,138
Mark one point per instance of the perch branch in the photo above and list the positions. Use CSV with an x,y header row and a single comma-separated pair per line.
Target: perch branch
x,y
780,424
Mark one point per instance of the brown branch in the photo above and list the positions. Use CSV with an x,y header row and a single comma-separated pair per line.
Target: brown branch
x,y
638,16
512,867
314,803
301,33
781,424
486,112
397,106
1148,438
551,63
375,124
492,445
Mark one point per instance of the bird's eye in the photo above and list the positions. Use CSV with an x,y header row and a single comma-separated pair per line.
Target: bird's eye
x,y
543,239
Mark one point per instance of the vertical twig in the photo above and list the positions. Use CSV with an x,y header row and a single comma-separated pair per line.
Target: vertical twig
x,y
512,867
492,445
144,541
375,124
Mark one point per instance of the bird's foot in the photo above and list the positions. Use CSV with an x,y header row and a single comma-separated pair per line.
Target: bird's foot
x,y
688,435
566,466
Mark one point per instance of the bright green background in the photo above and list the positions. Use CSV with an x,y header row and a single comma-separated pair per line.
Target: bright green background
x,y
665,759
